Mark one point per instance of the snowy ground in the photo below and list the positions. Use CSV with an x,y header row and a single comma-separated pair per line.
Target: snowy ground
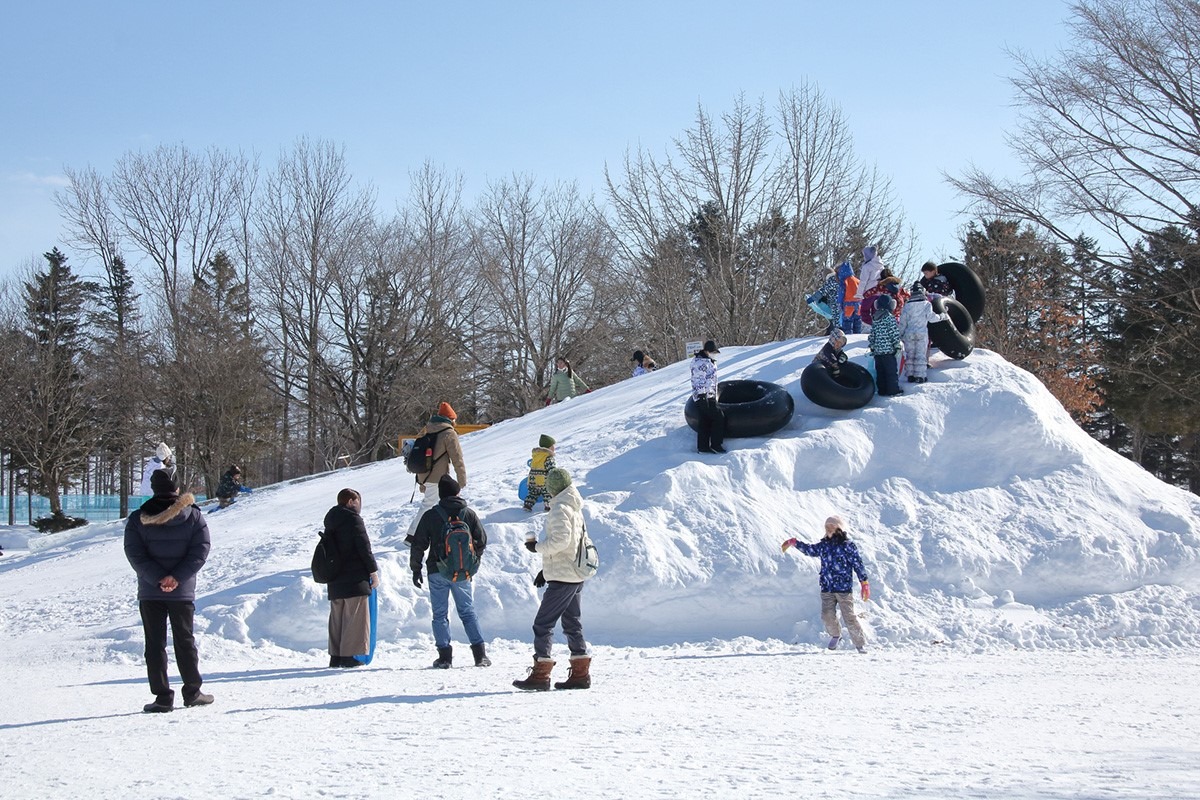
x,y
1035,625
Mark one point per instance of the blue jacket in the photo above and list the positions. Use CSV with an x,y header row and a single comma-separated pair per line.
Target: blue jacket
x,y
838,561
168,535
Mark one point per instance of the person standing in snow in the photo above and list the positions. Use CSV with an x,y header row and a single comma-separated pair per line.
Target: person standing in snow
x,y
888,284
540,464
447,450
642,363
710,433
431,533
884,341
839,562
915,320
166,543
565,384
162,459
933,281
564,587
350,588
847,300
827,294
871,271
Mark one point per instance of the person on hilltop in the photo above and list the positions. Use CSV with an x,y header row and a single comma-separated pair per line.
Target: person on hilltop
x,y
871,271
888,284
840,560
933,281
166,543
350,589
710,432
565,384
827,294
884,341
447,451
642,363
847,300
540,464
432,534
563,582
162,459
831,356
230,486
915,320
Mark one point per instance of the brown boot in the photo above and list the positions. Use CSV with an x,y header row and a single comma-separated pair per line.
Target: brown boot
x,y
539,676
578,677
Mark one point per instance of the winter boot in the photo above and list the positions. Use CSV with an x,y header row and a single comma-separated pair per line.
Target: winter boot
x,y
481,659
445,658
162,704
198,699
539,676
833,642
578,677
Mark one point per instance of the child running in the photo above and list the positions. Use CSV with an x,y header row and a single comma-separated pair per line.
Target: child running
x,y
839,560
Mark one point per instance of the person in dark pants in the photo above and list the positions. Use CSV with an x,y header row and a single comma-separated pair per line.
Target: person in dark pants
x,y
710,435
166,542
350,589
564,589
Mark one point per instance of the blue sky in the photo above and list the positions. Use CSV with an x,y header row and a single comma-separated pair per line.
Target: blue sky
x,y
551,89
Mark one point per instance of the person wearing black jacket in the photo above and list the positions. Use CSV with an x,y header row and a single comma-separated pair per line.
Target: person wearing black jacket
x,y
166,542
429,535
350,589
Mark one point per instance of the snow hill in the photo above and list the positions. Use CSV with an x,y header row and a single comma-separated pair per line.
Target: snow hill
x,y
987,519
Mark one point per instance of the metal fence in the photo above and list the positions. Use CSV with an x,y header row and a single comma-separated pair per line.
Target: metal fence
x,y
92,507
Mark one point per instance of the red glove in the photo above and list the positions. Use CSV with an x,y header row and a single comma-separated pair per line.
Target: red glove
x,y
866,591
789,543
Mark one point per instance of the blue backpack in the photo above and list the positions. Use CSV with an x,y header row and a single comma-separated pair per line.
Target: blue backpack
x,y
457,560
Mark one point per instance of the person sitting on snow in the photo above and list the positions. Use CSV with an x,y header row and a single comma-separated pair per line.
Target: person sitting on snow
x,y
831,356
230,485
644,363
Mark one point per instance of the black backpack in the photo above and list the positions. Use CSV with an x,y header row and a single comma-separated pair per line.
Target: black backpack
x,y
457,560
420,460
325,559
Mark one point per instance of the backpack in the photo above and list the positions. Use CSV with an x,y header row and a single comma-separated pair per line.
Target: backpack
x,y
587,558
458,560
419,460
325,564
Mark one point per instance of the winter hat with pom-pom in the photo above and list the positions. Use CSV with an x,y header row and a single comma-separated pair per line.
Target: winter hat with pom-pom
x,y
162,451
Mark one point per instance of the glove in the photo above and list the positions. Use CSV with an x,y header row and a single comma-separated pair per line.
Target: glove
x,y
246,489
418,581
531,545
835,372
789,543
539,580
842,358
866,591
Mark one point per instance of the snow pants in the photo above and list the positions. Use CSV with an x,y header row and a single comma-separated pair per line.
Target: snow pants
x,y
536,493
710,431
916,354
561,601
830,603
155,614
885,375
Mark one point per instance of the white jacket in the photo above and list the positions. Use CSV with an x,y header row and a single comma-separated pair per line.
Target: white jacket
x,y
564,530
152,464
917,315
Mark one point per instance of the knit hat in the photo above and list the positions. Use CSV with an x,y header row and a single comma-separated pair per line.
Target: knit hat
x,y
837,338
162,451
557,479
235,470
917,289
884,305
545,441
711,347
447,487
163,482
638,355
444,410
836,523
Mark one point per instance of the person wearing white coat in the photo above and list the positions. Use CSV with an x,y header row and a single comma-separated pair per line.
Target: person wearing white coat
x,y
869,272
915,319
564,587
162,459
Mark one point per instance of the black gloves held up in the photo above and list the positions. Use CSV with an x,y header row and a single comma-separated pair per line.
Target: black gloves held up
x,y
539,580
531,545
418,581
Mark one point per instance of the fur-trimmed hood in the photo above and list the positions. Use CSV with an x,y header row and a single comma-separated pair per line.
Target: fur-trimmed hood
x,y
181,503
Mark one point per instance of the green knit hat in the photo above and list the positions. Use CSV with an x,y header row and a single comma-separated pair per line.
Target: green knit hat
x,y
557,479
545,441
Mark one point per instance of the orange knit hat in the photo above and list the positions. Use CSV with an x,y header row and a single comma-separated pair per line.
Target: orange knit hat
x,y
446,411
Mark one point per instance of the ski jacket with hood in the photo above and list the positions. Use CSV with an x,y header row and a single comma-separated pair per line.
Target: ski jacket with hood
x,y
839,561
446,451
564,530
356,562
168,535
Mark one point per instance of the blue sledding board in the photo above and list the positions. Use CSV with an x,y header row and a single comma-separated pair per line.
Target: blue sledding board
x,y
523,488
373,604
822,309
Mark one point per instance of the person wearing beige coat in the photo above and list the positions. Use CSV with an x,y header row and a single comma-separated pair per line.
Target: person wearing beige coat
x,y
447,451
564,588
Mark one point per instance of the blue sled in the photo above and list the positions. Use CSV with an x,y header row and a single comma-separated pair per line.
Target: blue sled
x,y
822,309
373,604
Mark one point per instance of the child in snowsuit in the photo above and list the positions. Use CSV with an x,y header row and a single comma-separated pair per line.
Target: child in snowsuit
x,y
884,341
848,318
839,560
831,355
230,485
933,281
915,319
539,465
827,293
